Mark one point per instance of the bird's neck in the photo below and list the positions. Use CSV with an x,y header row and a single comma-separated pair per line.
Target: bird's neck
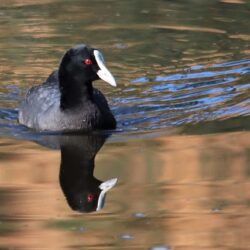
x,y
74,92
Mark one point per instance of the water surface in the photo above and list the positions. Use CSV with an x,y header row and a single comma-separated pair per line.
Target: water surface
x,y
181,149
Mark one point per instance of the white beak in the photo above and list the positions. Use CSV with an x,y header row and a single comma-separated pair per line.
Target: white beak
x,y
103,72
105,187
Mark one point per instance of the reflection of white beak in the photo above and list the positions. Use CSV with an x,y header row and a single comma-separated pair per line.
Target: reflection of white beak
x,y
103,72
105,187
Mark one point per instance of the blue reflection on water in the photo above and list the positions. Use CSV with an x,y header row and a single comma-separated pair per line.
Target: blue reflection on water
x,y
163,101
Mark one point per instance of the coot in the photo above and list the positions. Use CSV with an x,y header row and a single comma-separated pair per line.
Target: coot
x,y
67,100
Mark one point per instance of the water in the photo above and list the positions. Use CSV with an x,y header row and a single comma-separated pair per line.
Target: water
x,y
181,150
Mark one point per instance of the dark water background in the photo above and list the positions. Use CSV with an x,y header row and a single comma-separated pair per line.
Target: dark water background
x,y
181,149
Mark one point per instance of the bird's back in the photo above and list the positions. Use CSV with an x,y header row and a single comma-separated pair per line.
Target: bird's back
x,y
41,110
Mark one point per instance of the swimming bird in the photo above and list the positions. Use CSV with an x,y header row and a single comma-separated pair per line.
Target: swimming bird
x,y
67,100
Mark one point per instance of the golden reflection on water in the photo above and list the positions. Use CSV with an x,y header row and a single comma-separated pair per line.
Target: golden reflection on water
x,y
187,28
18,3
193,191
233,1
241,36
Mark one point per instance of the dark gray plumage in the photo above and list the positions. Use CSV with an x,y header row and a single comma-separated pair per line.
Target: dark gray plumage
x,y
67,101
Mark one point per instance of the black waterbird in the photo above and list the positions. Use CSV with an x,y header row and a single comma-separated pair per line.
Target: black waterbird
x,y
67,101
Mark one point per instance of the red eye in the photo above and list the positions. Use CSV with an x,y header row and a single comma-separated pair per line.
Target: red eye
x,y
90,198
88,61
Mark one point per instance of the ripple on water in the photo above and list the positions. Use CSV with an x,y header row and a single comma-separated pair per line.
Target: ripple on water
x,y
196,95
139,215
126,237
199,94
160,248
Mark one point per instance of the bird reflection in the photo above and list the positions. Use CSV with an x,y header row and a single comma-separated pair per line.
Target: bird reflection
x,y
83,192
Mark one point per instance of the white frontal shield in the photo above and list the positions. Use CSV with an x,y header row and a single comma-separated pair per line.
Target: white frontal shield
x,y
103,72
